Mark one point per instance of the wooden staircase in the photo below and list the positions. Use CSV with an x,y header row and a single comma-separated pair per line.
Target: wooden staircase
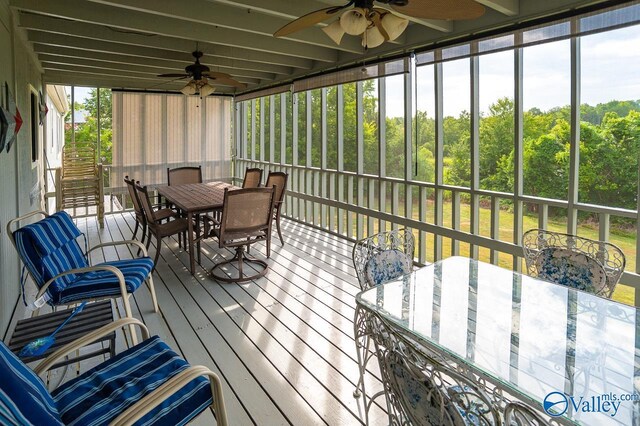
x,y
79,181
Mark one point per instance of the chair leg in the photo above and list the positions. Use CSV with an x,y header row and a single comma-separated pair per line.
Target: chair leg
x,y
268,247
144,232
158,246
278,227
135,230
152,289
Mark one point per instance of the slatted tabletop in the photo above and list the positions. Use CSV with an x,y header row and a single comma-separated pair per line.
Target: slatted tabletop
x,y
196,197
92,317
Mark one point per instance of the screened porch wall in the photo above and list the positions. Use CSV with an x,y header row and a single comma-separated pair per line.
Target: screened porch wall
x,y
311,134
152,132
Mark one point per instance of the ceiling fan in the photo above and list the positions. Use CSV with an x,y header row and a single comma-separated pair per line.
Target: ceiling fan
x,y
202,78
379,24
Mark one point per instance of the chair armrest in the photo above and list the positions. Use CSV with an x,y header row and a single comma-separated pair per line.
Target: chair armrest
x,y
152,400
117,243
88,338
115,271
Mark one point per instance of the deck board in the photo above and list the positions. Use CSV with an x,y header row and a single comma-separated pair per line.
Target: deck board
x,y
282,344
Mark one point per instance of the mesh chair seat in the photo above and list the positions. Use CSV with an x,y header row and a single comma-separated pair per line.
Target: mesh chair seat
x,y
99,395
98,284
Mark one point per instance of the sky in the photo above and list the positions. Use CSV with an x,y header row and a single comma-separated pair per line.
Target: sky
x,y
610,63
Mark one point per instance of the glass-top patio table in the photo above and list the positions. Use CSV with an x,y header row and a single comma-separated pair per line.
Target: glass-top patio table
x,y
520,336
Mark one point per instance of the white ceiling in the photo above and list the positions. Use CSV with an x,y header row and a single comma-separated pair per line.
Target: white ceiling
x,y
126,43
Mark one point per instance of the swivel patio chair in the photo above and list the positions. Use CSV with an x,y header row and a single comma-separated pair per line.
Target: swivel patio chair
x,y
155,225
252,178
141,221
279,179
377,259
146,384
246,218
588,265
61,270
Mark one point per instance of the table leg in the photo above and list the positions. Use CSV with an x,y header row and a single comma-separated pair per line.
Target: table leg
x,y
190,237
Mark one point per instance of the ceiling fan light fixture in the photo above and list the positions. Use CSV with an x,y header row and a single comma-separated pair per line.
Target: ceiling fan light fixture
x,y
206,90
189,89
334,31
354,21
372,38
393,25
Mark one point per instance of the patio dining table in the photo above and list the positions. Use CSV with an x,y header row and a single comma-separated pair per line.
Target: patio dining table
x,y
193,199
572,356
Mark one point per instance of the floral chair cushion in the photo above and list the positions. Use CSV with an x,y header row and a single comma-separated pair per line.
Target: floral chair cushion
x,y
419,396
572,269
386,265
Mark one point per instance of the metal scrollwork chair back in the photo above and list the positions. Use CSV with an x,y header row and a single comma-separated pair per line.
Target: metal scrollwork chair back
x,y
379,258
420,390
582,263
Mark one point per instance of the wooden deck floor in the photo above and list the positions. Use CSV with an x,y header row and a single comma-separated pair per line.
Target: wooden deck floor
x,y
283,344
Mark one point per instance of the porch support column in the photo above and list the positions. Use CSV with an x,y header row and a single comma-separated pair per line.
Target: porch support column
x,y
518,115
474,144
574,151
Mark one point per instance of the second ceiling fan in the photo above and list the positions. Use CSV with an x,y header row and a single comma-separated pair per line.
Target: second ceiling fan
x,y
379,24
202,78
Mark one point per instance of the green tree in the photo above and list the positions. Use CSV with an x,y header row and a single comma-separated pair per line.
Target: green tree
x,y
86,133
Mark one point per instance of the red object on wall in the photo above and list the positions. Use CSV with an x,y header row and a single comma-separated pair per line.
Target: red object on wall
x,y
18,119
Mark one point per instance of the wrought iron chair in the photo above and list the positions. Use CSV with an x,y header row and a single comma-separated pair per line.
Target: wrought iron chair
x,y
154,223
589,265
252,178
421,391
148,382
378,259
141,220
246,218
279,179
61,270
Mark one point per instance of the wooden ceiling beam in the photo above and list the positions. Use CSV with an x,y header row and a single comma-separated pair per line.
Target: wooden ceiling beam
x,y
80,43
71,78
46,52
50,61
100,32
142,22
221,15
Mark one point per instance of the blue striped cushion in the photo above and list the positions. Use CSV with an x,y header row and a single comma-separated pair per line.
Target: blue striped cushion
x,y
23,397
49,247
102,393
103,283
